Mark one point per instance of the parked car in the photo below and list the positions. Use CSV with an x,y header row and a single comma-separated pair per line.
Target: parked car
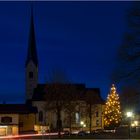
x,y
82,133
110,131
66,133
99,130
93,132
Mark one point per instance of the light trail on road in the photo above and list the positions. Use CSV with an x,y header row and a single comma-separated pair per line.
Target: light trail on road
x,y
28,135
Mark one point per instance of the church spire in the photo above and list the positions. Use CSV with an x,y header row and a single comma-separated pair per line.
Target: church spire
x,y
32,53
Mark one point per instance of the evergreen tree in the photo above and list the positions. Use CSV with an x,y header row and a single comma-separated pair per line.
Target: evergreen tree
x,y
112,114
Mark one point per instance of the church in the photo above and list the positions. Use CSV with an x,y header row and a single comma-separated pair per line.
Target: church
x,y
81,110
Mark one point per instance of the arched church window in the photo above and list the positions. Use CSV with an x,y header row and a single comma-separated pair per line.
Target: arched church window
x,y
30,74
40,117
77,117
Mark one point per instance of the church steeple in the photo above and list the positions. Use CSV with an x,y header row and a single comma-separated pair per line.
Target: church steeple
x,y
31,62
32,53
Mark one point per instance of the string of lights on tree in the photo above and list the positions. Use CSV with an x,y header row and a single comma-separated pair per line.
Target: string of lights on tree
x,y
112,114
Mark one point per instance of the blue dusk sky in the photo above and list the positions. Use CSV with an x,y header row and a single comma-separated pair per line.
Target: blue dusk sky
x,y
81,38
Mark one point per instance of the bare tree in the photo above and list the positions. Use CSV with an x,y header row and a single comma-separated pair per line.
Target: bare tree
x,y
127,72
128,67
71,103
58,76
128,98
92,98
59,96
89,101
56,97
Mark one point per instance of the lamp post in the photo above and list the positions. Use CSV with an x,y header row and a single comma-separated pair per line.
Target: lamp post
x,y
129,116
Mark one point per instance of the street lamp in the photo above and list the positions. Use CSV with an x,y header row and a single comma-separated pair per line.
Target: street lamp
x,y
129,116
82,124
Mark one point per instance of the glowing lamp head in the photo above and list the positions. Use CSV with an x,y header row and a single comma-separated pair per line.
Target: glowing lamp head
x,y
129,114
84,125
81,122
132,124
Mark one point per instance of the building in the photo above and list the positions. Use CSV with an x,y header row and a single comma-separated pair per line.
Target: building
x,y
35,94
35,115
16,119
77,106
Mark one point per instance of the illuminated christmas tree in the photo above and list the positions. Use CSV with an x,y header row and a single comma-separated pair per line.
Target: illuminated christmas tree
x,y
112,113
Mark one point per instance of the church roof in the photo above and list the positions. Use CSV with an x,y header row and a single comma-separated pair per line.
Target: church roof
x,y
41,90
94,94
80,92
32,53
17,108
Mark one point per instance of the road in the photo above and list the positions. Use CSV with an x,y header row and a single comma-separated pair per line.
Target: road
x,y
30,136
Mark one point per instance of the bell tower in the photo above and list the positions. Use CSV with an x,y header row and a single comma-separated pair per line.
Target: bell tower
x,y
31,65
